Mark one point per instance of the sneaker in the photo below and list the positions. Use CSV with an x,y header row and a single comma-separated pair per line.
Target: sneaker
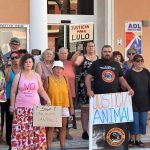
x,y
69,137
131,143
64,148
139,143
85,135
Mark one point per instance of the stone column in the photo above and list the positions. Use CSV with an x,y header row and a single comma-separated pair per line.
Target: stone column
x,y
38,25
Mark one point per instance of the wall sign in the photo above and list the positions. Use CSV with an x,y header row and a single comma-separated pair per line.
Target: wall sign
x,y
133,36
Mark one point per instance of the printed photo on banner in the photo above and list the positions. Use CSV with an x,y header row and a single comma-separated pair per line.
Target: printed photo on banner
x,y
133,36
106,110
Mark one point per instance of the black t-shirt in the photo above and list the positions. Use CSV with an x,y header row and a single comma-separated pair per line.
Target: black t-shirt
x,y
106,76
139,82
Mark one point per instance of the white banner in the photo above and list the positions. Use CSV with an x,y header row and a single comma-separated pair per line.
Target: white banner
x,y
80,32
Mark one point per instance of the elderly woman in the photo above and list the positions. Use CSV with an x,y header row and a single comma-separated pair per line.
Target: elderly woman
x,y
44,68
129,63
56,86
69,72
26,87
139,78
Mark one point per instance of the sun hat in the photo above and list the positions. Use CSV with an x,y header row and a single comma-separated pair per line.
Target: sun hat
x,y
58,64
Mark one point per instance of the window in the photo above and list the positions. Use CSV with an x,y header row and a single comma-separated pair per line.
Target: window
x,y
79,7
7,31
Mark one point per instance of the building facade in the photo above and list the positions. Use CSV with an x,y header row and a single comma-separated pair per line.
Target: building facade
x,y
48,21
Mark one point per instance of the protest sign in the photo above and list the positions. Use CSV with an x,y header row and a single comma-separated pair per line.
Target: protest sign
x,y
109,114
80,32
47,116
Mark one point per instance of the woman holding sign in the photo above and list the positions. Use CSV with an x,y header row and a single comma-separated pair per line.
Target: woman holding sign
x,y
25,91
56,86
139,78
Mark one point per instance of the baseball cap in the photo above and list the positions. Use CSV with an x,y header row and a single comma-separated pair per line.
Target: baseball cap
x,y
58,64
14,40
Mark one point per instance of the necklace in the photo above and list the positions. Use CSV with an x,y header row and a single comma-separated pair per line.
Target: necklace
x,y
137,70
91,57
58,82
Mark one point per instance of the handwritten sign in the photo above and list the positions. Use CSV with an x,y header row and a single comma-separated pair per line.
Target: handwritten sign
x,y
47,116
112,108
80,32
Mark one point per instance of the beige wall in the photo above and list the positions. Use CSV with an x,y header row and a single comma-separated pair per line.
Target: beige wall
x,y
132,10
14,11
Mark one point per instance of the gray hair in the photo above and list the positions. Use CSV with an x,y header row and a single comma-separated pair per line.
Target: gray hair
x,y
42,55
62,48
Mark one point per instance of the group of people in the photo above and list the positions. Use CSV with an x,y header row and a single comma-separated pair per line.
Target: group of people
x,y
52,82
130,75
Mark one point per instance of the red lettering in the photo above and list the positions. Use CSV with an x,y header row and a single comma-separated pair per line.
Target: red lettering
x,y
30,86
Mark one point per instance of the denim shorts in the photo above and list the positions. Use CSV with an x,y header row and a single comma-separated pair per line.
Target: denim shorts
x,y
139,124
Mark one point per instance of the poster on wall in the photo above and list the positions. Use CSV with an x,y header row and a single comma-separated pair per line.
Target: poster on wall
x,y
7,31
133,36
109,114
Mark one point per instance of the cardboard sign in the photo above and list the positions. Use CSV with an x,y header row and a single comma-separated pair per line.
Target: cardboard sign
x,y
47,116
80,32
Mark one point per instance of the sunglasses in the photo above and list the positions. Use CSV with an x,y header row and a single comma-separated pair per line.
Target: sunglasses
x,y
15,44
15,57
131,53
139,60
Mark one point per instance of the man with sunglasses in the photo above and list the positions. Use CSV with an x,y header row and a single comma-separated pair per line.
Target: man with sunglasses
x,y
14,46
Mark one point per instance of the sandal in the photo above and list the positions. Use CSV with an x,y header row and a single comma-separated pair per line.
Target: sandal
x,y
139,143
131,143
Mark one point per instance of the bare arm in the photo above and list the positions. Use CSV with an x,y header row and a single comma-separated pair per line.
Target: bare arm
x,y
79,60
88,79
75,55
125,85
45,84
38,69
14,90
42,92
7,73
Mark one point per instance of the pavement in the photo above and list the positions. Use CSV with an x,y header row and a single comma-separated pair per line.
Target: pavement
x,y
79,144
